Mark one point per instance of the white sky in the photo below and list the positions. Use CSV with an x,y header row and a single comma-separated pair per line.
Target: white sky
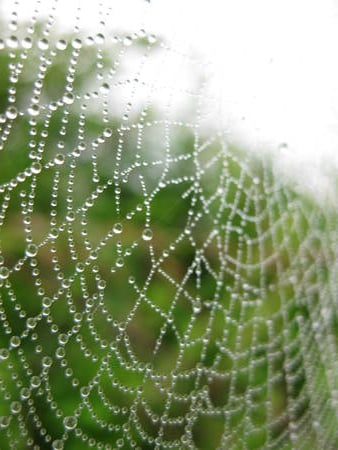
x,y
275,63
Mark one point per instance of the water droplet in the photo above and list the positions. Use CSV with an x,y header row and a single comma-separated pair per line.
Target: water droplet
x,y
43,44
54,233
70,217
63,338
12,42
77,43
31,250
34,110
47,362
70,422
77,317
5,421
99,38
61,44
101,284
46,302
60,352
27,43
104,88
89,40
68,98
84,391
107,132
53,106
197,308
127,41
11,113
35,381
4,272
58,444
142,33
152,39
93,255
36,168
15,341
118,228
59,159
120,443
81,146
283,146
66,283
25,393
4,354
147,234
31,323
80,267
119,262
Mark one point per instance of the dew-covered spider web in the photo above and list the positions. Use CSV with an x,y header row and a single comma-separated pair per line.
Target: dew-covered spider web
x,y
160,287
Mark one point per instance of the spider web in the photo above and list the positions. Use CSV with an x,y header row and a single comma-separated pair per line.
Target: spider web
x,y
159,287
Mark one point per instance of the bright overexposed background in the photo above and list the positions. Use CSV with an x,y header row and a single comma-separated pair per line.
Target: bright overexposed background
x,y
274,66
277,70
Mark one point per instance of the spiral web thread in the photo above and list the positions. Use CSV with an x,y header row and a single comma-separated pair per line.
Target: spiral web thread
x,y
159,288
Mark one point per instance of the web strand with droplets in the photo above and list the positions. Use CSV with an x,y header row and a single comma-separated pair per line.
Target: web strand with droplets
x,y
159,287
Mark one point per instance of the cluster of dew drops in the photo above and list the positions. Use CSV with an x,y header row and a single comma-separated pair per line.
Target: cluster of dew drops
x,y
48,48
